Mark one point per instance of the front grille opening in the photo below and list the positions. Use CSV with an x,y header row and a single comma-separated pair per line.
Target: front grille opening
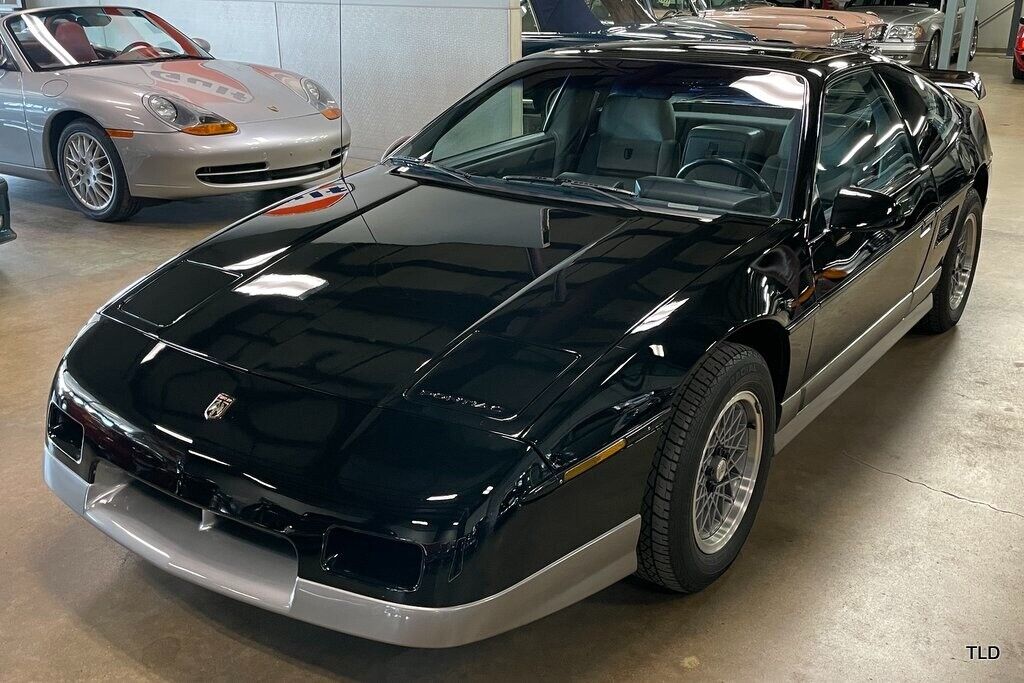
x,y
393,563
243,174
65,433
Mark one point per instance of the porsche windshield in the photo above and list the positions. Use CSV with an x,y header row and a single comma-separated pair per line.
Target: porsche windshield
x,y
651,134
64,38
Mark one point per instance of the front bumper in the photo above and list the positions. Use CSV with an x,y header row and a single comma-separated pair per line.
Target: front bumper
x,y
260,156
210,554
904,53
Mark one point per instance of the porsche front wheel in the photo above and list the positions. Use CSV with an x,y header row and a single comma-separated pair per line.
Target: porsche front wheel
x,y
92,174
708,477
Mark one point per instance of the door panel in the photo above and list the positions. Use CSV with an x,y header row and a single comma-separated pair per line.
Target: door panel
x,y
14,145
863,279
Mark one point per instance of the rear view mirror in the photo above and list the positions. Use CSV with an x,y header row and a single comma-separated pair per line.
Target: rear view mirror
x,y
856,209
203,43
394,146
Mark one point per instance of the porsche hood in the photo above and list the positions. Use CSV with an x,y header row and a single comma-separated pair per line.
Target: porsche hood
x,y
394,292
242,93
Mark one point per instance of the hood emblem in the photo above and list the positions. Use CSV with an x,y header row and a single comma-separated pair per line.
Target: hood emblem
x,y
218,407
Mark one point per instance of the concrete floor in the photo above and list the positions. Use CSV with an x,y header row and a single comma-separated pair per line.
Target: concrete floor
x,y
891,536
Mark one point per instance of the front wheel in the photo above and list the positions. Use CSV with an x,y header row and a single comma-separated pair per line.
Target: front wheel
x,y
92,174
708,478
949,298
931,53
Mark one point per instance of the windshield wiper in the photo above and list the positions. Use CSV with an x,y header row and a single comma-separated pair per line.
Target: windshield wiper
x,y
617,194
414,162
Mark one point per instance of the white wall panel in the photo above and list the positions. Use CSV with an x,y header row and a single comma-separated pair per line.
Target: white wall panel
x,y
403,65
240,31
310,43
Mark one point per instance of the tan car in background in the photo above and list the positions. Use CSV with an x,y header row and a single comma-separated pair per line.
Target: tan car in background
x,y
796,25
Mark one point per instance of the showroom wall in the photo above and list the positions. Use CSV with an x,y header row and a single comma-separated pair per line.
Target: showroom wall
x,y
396,63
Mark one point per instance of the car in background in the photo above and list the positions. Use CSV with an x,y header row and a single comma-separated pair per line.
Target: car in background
x,y
118,106
913,31
524,357
1018,53
797,25
553,24
6,231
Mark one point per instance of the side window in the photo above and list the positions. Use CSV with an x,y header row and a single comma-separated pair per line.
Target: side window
x,y
516,110
529,21
863,140
928,113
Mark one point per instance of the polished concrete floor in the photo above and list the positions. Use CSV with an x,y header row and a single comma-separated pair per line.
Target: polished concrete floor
x,y
891,536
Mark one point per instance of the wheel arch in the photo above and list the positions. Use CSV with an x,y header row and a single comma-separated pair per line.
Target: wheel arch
x,y
769,338
55,127
981,183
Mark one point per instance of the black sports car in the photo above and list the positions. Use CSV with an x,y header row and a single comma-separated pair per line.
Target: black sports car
x,y
6,231
553,340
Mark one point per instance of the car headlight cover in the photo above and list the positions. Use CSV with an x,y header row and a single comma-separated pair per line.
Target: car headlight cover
x,y
321,99
874,32
902,33
188,118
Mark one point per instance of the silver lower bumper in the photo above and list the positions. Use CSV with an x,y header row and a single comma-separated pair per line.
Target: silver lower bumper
x,y
207,555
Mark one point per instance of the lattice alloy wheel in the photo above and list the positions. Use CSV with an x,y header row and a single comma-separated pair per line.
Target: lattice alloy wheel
x,y
88,171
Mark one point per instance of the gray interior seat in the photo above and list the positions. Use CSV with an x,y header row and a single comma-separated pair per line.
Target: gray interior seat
x,y
635,137
744,144
777,164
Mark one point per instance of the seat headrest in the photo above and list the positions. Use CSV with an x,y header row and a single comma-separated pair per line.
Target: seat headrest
x,y
637,118
73,39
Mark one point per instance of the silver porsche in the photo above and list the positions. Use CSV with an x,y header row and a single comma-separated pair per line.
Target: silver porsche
x,y
119,107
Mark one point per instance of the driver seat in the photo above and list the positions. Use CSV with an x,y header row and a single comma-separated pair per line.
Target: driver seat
x,y
636,137
73,39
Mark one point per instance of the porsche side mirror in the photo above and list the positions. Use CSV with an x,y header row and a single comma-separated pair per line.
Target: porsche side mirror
x,y
202,42
394,146
856,209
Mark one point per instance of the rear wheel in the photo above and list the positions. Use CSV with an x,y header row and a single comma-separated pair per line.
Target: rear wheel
x,y
708,478
92,174
949,298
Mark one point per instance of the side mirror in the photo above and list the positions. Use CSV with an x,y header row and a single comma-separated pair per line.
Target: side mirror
x,y
202,42
393,147
6,63
859,210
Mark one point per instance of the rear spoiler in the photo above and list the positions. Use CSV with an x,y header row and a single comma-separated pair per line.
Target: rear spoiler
x,y
956,80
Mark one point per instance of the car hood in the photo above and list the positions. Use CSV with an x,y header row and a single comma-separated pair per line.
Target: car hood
x,y
795,18
242,93
681,28
904,15
399,293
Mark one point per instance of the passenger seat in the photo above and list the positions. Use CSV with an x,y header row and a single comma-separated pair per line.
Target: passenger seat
x,y
635,137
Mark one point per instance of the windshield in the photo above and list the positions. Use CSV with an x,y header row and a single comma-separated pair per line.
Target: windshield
x,y
650,134
931,4
63,38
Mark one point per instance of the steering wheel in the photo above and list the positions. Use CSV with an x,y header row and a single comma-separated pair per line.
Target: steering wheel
x,y
137,45
740,168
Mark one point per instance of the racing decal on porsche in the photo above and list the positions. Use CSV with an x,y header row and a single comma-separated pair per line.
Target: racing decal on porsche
x,y
198,83
321,198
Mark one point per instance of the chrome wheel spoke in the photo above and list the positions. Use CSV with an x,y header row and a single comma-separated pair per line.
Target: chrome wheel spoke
x,y
963,262
88,171
727,472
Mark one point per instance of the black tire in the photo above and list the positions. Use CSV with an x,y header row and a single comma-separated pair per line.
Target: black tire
x,y
1018,74
944,315
668,551
931,53
122,204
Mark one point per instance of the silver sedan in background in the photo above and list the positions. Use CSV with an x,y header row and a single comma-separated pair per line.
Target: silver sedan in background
x,y
119,106
914,28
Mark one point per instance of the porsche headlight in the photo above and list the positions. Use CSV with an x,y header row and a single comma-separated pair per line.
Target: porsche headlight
x,y
188,118
902,33
321,99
